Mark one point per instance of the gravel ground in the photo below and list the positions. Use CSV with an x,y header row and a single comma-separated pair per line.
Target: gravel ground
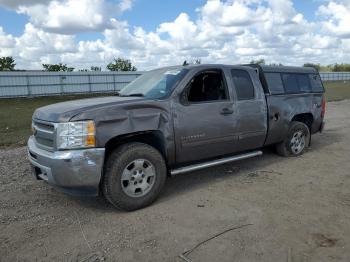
x,y
298,210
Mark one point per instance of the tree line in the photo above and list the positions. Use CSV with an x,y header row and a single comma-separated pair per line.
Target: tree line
x,y
121,64
118,64
321,68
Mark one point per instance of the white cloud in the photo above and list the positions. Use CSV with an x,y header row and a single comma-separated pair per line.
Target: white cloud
x,y
233,31
338,15
70,16
6,43
236,13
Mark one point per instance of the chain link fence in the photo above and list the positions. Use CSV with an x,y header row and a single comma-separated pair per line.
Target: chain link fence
x,y
335,76
31,84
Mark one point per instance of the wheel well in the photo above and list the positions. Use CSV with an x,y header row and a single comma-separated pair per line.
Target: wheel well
x,y
305,118
153,138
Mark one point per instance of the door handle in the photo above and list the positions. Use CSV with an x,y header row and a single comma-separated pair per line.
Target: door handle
x,y
226,111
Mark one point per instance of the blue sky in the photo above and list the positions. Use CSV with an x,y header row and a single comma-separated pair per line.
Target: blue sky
x,y
155,33
12,22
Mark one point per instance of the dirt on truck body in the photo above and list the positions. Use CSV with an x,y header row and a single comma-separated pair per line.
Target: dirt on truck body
x,y
170,121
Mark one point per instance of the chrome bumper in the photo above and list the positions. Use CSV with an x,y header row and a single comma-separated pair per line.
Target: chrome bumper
x,y
76,172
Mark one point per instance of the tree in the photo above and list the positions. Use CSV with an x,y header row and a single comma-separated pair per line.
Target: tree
x,y
197,62
57,67
96,68
7,63
193,62
258,62
275,64
121,64
316,66
92,69
340,67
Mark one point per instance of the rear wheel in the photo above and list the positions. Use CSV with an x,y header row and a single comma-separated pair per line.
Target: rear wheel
x,y
296,142
134,176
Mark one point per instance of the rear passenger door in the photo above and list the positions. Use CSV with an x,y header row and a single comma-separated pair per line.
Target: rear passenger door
x,y
250,109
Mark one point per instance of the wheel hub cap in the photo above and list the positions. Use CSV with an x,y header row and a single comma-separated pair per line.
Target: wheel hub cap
x,y
138,178
297,142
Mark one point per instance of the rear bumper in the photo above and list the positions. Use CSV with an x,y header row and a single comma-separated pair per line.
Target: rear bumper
x,y
317,126
322,126
76,172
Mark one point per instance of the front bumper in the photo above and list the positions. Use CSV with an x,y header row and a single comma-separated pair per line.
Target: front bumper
x,y
76,172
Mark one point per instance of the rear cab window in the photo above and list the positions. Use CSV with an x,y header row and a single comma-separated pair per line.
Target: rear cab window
x,y
290,83
274,82
293,83
316,83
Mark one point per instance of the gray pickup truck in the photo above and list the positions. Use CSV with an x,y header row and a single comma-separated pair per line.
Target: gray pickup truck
x,y
170,121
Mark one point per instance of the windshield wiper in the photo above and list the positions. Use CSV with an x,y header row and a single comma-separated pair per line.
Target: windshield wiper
x,y
136,94
122,95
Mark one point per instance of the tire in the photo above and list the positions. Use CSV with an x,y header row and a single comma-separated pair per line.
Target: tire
x,y
128,183
296,141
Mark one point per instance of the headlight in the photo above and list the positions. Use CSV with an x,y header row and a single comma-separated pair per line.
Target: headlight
x,y
73,135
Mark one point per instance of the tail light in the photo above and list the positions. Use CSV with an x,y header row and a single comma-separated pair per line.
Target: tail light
x,y
323,107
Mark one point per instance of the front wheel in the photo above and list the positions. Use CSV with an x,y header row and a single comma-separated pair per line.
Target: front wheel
x,y
296,142
134,176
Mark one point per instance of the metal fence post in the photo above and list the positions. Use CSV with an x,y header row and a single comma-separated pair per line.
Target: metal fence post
x,y
89,81
28,85
61,84
114,83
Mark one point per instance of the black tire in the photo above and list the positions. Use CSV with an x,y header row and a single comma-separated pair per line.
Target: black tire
x,y
117,161
286,148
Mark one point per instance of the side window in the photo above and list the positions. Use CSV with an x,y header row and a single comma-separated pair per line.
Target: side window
x,y
296,83
303,83
290,83
207,86
274,83
316,83
243,84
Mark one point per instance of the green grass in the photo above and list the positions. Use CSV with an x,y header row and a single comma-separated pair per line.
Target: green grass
x,y
16,114
337,90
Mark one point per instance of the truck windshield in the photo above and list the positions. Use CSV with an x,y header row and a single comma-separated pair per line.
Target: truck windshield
x,y
155,84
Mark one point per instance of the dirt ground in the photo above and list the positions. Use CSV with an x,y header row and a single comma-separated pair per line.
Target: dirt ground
x,y
298,210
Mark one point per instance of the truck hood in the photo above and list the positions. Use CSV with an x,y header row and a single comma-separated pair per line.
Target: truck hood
x,y
63,112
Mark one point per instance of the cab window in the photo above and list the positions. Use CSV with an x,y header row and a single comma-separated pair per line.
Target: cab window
x,y
207,86
243,84
296,83
274,82
316,83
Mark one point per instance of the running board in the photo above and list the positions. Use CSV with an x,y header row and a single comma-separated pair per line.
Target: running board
x,y
216,162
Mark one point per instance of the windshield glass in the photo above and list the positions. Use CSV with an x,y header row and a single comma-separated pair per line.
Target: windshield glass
x,y
155,84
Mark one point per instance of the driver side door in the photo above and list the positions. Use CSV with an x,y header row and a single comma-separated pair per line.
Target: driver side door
x,y
204,119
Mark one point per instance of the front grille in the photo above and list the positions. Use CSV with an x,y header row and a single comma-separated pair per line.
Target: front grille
x,y
44,133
